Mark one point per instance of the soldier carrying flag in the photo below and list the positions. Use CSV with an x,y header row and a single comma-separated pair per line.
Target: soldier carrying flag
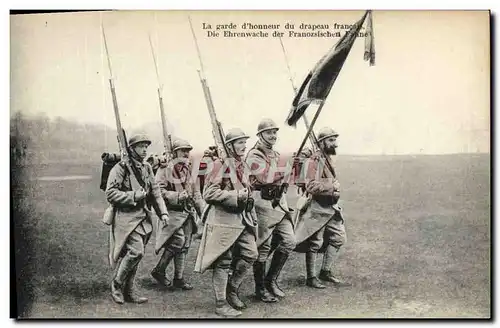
x,y
320,223
321,228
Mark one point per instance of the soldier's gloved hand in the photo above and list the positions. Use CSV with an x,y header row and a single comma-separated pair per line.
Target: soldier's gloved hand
x,y
139,195
336,186
165,218
183,196
243,195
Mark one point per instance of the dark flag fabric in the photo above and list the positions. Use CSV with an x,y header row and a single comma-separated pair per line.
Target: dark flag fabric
x,y
321,78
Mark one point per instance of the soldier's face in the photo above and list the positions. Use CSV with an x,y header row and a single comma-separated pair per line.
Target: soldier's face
x,y
183,153
330,144
240,146
270,136
141,149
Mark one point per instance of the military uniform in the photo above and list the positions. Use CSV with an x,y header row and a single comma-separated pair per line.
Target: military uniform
x,y
175,238
209,155
131,226
229,233
274,220
320,226
299,178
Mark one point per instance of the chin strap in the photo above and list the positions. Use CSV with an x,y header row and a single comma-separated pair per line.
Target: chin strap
x,y
264,141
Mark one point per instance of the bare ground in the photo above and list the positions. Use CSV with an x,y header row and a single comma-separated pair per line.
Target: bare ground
x,y
418,246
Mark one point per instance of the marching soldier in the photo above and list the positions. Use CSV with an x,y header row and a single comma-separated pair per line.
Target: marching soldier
x,y
321,224
208,155
304,155
131,226
156,161
184,203
274,220
230,230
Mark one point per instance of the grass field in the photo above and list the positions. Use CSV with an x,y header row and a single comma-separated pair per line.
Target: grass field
x,y
418,246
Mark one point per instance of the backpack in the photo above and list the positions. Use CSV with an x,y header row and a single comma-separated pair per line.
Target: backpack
x,y
109,160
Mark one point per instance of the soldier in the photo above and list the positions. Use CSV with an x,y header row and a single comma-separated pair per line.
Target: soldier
x,y
321,224
131,226
274,220
184,203
156,161
230,231
208,155
304,155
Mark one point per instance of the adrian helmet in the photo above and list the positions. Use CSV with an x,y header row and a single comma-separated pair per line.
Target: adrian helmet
x,y
235,134
181,144
265,125
135,139
326,133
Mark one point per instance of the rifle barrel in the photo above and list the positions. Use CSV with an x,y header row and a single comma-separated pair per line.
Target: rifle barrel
x,y
197,47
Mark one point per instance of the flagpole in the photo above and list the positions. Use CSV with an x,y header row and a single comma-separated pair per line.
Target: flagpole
x,y
322,103
353,30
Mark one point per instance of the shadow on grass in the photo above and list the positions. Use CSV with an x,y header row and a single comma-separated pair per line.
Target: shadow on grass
x,y
147,282
78,290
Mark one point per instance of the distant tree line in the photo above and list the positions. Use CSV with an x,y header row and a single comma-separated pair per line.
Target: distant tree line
x,y
40,139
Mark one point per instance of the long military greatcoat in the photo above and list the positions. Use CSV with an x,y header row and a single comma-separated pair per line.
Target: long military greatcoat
x,y
267,216
321,205
129,213
225,219
178,212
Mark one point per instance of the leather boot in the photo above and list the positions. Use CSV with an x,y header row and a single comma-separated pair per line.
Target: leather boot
x,y
120,278
179,265
223,309
182,284
259,271
117,292
315,283
328,276
277,263
312,280
241,267
159,271
130,294
220,282
329,259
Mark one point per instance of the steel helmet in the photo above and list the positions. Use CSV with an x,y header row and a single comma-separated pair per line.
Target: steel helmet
x,y
135,139
235,134
326,133
181,144
265,125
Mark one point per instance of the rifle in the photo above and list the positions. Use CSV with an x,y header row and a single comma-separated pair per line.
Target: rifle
x,y
217,131
135,178
167,137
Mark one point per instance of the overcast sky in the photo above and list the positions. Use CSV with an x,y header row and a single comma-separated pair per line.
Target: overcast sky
x,y
428,92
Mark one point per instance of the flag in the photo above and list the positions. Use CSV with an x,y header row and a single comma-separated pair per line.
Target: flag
x,y
369,41
321,78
